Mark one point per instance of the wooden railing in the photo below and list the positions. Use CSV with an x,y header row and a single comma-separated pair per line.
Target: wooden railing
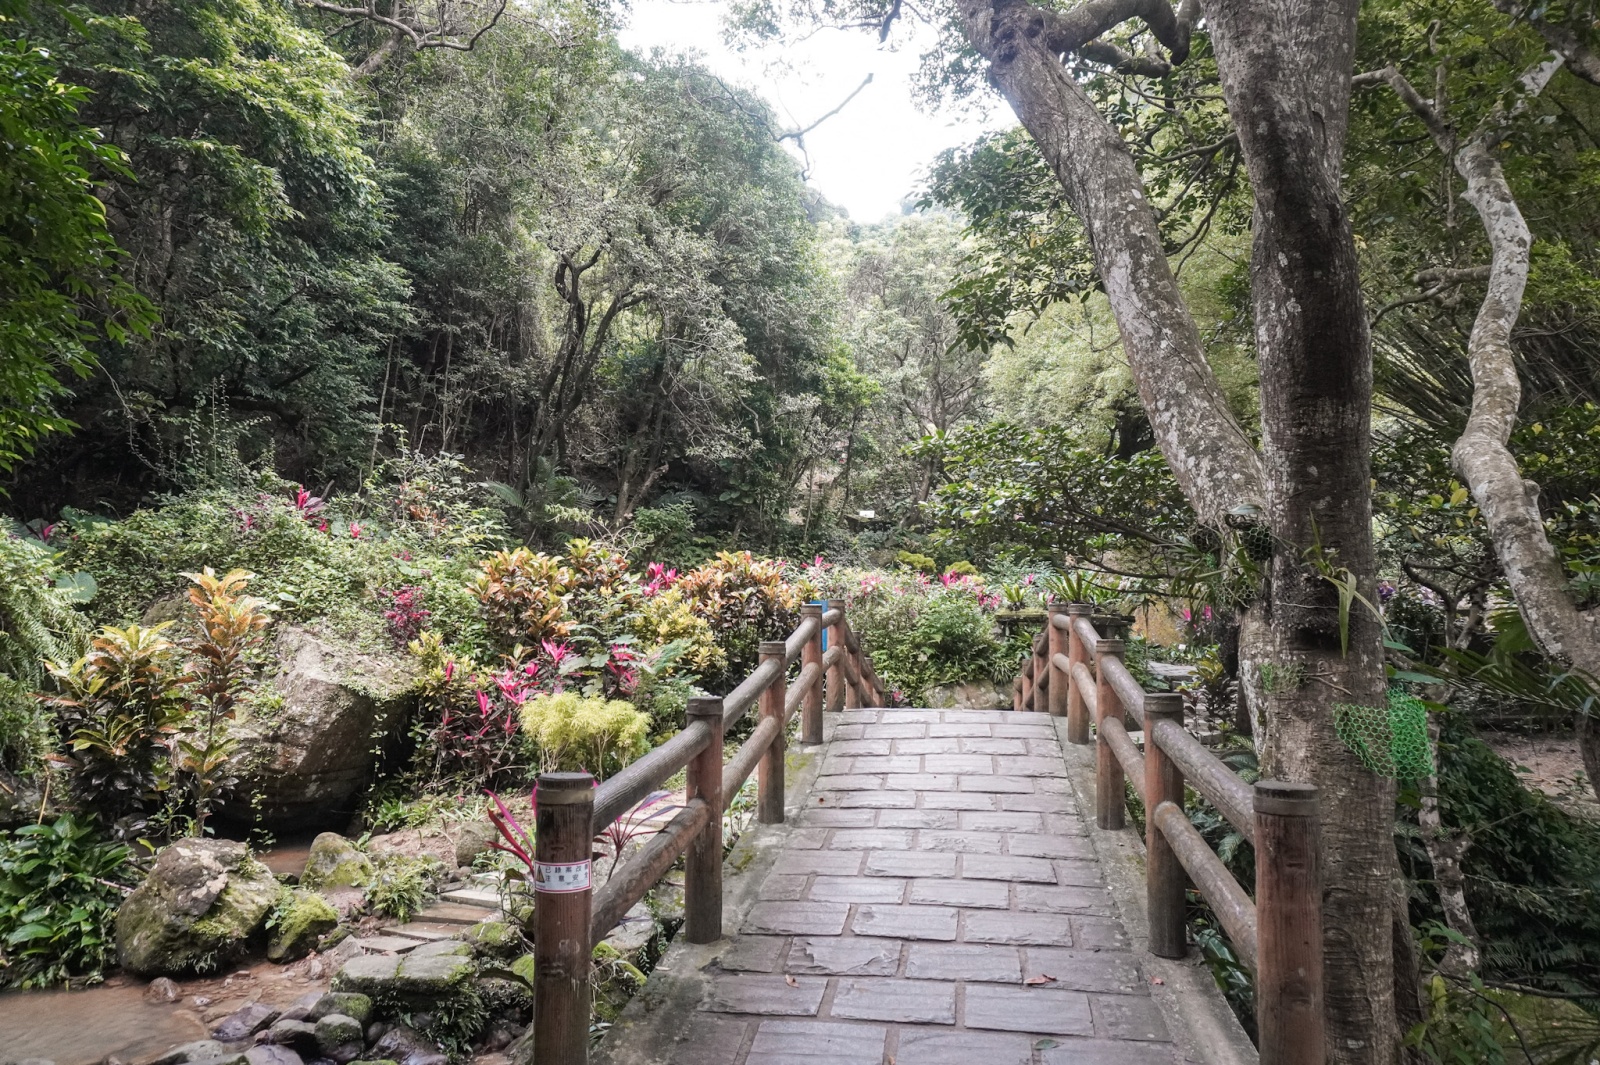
x,y
1076,673
570,917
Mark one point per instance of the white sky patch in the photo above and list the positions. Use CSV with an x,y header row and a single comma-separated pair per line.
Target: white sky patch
x,y
870,156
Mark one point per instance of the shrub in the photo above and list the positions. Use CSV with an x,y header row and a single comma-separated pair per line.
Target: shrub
x,y
666,618
400,885
520,594
120,704
745,600
37,622
230,623
574,732
59,893
914,561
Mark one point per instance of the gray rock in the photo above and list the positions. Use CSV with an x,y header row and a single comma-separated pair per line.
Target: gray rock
x,y
310,761
340,1037
196,1051
443,948
405,1046
162,989
200,906
267,1054
244,1023
299,1035
227,1057
306,919
303,1007
334,862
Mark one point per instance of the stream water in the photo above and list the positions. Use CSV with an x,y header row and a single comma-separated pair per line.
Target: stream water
x,y
116,1021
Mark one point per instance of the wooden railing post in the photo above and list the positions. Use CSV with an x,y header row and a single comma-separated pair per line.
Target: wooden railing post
x,y
563,903
811,654
1164,877
1056,644
852,691
1289,999
836,681
1077,708
1041,672
769,804
1110,799
702,881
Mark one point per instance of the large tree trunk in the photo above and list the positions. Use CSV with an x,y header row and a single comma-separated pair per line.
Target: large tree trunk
x,y
1286,74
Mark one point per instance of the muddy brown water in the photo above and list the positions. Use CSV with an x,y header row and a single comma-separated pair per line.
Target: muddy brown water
x,y
116,1021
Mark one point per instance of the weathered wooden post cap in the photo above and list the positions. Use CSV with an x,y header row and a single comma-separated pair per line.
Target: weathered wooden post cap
x,y
1059,608
563,789
1285,798
811,610
704,706
1107,646
835,604
1163,704
773,647
1080,610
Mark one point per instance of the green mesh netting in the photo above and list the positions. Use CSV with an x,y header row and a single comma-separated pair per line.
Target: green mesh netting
x,y
1391,741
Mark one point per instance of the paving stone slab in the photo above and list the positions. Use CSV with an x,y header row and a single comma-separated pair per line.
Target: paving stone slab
x,y
1127,1017
817,1043
1104,1052
871,839
1006,867
917,818
931,1046
901,1001
911,863
1037,929
1113,972
983,962
844,956
1028,1009
756,954
828,817
857,889
767,994
906,922
797,918
981,894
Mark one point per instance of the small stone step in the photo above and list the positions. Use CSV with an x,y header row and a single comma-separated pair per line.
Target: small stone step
x,y
453,913
425,931
483,898
383,944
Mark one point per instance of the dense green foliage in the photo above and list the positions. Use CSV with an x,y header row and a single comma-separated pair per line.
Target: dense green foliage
x,y
59,888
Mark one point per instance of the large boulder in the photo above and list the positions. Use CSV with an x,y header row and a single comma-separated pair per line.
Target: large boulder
x,y
305,762
199,908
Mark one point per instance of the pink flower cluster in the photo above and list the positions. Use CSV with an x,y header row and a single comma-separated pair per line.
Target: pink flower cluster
x,y
406,615
660,578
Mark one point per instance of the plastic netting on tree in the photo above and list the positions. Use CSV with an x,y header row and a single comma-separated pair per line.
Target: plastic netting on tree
x,y
1391,741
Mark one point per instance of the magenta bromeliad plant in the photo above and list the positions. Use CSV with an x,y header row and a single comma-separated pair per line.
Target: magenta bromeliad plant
x,y
518,840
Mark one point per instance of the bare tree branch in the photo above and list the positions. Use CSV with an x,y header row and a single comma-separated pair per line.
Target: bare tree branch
x,y
459,26
1562,39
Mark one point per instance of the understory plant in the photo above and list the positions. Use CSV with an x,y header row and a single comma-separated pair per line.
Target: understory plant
x,y
60,887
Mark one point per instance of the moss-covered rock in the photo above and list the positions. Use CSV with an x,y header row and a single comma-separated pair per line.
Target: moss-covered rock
x,y
348,1003
495,939
340,1037
334,862
298,924
525,967
202,903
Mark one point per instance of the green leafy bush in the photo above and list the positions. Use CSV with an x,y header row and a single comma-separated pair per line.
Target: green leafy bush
x,y
400,885
745,600
574,732
59,893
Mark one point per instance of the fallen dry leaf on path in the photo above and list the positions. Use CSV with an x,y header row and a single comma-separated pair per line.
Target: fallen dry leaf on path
x,y
1042,978
791,981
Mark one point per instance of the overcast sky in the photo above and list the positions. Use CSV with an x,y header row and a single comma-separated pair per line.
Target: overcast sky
x,y
868,157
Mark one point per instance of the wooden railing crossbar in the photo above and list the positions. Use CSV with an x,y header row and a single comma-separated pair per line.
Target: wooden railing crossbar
x,y
1076,673
570,916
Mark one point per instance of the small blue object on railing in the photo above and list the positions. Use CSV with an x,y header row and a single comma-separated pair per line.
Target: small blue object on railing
x,y
823,603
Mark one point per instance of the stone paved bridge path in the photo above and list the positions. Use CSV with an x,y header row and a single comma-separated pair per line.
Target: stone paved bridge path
x,y
936,899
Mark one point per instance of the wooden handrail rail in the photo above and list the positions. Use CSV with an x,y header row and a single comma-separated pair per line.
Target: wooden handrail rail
x,y
1126,753
571,916
1234,908
634,880
628,788
1206,773
1279,933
